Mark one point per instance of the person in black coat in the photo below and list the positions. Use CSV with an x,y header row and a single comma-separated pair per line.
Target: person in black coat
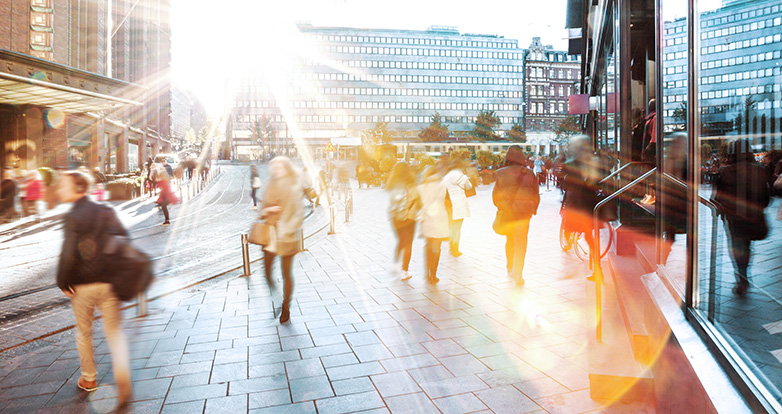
x,y
517,198
81,278
7,196
742,193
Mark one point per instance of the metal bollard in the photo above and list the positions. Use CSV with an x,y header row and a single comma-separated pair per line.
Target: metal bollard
x,y
301,240
141,308
245,255
351,201
332,218
347,212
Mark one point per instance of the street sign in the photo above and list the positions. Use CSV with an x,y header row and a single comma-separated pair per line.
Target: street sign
x,y
329,147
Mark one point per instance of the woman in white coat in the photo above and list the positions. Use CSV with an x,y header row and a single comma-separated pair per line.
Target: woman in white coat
x,y
434,220
457,182
282,207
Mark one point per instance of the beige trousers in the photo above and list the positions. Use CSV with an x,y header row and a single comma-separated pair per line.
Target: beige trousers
x,y
86,298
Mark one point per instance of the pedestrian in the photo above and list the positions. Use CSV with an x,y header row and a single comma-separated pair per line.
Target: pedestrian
x,y
80,278
517,198
323,188
282,208
343,181
255,184
8,196
152,178
580,185
457,182
33,192
742,193
433,218
405,202
167,196
98,176
538,170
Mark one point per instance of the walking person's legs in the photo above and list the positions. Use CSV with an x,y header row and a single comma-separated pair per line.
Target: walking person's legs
x,y
740,250
83,304
112,327
456,235
268,260
287,289
433,259
164,207
407,234
509,250
252,194
520,233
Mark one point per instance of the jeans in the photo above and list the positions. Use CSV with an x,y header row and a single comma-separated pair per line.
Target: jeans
x,y
164,207
740,250
405,233
252,193
287,264
86,298
516,248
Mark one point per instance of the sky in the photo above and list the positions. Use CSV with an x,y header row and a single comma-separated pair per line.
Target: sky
x,y
212,40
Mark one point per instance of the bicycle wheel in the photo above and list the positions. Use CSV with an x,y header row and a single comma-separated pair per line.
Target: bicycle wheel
x,y
581,245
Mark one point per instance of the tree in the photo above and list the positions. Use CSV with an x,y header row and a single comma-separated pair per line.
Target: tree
x,y
566,129
190,136
377,135
516,133
436,131
484,126
486,158
680,116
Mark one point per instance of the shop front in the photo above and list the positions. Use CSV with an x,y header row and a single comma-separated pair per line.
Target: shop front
x,y
690,90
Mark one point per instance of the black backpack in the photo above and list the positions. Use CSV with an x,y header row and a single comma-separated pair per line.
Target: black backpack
x,y
128,269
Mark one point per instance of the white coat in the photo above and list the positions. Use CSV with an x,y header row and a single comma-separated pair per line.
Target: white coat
x,y
456,182
433,217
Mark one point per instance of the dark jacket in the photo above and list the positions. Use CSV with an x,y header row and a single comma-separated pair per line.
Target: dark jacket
x,y
86,228
7,194
742,193
516,192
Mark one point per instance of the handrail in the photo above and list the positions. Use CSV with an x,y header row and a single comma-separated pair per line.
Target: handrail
x,y
715,212
613,174
594,252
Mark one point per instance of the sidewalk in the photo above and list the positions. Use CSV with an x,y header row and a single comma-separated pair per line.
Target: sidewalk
x,y
359,339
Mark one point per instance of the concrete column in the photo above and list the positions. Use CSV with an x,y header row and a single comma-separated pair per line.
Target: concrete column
x,y
122,151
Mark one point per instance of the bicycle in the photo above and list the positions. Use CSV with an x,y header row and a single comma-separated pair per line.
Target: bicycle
x,y
580,245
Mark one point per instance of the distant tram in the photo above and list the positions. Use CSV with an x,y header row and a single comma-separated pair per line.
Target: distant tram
x,y
406,150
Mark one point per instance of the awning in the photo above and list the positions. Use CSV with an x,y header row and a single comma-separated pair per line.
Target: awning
x,y
16,90
27,80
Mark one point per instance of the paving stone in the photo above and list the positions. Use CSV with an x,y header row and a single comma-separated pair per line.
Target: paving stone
x,y
507,399
229,372
150,389
197,392
460,404
350,403
410,403
257,384
352,386
443,387
230,404
355,370
304,368
372,352
269,398
311,388
396,383
307,407
326,350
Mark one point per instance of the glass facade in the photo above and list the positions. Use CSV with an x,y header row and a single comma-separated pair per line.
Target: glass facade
x,y
696,87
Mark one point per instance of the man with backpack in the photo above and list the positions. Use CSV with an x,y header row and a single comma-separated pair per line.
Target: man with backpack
x,y
83,278
516,196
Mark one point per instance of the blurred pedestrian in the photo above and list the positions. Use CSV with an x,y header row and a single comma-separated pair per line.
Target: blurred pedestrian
x,y
255,184
538,170
580,185
403,209
434,219
324,188
8,196
457,182
98,176
167,196
80,278
33,192
282,208
517,198
741,191
343,181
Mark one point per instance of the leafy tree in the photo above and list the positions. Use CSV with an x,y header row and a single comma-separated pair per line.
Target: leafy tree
x,y
436,131
190,136
566,129
484,126
680,116
377,135
486,158
424,160
516,133
460,154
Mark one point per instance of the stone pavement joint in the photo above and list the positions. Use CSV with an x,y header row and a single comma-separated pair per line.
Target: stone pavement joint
x,y
359,339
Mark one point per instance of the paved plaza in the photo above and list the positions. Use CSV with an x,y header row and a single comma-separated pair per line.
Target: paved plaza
x,y
359,339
